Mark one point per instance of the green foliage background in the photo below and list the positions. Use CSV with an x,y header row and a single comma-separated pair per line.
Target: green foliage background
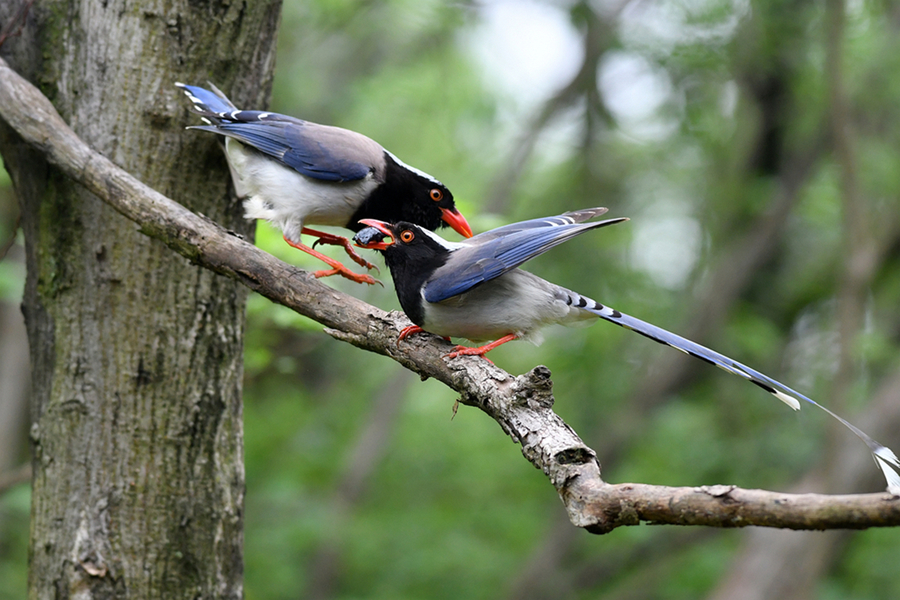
x,y
360,484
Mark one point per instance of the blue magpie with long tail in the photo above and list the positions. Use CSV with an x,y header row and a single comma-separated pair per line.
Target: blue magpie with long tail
x,y
295,173
475,290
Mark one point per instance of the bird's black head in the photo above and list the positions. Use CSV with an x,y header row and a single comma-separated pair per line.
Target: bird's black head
x,y
412,253
412,196
403,242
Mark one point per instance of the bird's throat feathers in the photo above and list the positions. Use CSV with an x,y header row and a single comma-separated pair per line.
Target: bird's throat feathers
x,y
411,266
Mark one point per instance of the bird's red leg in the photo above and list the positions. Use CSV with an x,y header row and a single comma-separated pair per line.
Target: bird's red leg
x,y
337,240
336,267
481,350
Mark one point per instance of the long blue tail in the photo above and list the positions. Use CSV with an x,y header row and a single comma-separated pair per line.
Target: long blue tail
x,y
885,458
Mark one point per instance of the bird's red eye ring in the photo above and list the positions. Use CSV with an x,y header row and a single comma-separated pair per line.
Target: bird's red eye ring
x,y
407,236
436,194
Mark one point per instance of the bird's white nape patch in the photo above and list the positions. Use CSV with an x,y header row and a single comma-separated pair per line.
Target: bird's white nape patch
x,y
789,400
441,241
413,169
262,116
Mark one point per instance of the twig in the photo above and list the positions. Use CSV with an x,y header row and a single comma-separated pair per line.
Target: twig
x,y
520,405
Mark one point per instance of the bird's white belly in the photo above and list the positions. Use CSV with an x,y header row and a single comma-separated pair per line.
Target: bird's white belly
x,y
516,303
287,199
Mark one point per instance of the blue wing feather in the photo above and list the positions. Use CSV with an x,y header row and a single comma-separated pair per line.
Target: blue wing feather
x,y
282,137
478,261
568,218
284,140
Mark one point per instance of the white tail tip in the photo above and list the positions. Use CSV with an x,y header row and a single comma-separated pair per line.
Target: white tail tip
x,y
889,464
789,400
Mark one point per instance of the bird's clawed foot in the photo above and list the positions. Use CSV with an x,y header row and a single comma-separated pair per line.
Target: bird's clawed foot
x,y
408,331
337,240
336,267
467,351
480,350
347,274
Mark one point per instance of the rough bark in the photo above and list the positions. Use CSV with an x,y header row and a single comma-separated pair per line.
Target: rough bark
x,y
522,406
136,353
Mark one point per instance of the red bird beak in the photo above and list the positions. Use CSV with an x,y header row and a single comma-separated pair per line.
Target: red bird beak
x,y
454,219
380,226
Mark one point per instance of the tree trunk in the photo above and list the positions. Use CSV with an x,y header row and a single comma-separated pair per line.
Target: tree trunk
x,y
136,353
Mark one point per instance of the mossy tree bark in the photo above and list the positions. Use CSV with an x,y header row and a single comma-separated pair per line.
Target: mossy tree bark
x,y
137,354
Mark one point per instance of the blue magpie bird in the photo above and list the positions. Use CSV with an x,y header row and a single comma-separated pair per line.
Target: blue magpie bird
x,y
292,173
474,290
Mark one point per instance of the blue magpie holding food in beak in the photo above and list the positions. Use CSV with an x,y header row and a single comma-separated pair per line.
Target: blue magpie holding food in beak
x,y
294,173
474,290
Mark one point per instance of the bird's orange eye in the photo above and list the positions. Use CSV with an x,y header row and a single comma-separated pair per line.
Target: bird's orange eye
x,y
436,194
407,236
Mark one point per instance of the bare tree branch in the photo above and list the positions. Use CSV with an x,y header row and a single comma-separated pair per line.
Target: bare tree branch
x,y
759,569
520,405
670,370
